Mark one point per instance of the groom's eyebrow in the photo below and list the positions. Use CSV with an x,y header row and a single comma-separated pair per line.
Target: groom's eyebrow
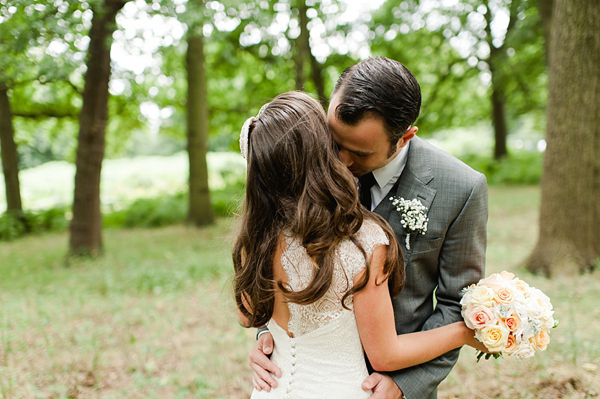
x,y
361,153
357,152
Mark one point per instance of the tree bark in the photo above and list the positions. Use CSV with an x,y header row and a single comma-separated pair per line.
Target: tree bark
x,y
569,226
86,226
497,97
199,211
498,118
305,54
302,46
545,10
10,159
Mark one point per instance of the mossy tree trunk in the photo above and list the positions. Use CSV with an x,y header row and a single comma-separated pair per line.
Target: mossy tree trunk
x,y
569,226
199,210
10,160
86,226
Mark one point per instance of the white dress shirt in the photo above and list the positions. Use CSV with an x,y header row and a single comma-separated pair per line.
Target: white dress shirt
x,y
387,176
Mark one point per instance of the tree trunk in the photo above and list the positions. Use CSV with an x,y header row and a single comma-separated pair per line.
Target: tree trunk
x,y
497,96
499,122
199,211
302,47
545,10
317,77
569,227
305,54
10,160
86,226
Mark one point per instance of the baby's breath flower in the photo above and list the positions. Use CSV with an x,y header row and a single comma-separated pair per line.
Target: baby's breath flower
x,y
413,214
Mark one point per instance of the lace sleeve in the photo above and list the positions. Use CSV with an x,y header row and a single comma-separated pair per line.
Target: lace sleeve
x,y
370,235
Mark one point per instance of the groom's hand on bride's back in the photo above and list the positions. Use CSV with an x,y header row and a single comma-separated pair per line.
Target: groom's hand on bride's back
x,y
383,387
261,365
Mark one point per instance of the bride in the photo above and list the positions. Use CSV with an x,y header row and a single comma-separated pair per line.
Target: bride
x,y
315,266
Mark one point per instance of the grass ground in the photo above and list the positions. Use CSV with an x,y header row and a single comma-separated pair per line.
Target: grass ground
x,y
153,318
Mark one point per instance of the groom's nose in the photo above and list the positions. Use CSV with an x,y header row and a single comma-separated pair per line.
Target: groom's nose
x,y
346,157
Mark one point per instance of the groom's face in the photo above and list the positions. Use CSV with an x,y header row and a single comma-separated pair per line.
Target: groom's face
x,y
365,146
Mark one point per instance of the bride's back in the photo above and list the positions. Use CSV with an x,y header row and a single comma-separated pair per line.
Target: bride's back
x,y
317,345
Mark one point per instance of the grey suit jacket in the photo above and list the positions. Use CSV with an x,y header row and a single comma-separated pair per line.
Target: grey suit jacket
x,y
450,256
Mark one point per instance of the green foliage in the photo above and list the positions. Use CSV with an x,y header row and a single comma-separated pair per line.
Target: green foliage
x,y
15,225
447,47
172,209
154,212
11,226
518,168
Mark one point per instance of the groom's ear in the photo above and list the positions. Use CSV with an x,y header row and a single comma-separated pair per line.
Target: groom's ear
x,y
408,136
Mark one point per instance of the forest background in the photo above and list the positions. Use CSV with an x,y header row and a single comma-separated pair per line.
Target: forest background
x,y
119,127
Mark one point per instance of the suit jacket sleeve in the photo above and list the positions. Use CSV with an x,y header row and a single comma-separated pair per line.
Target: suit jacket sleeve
x,y
461,262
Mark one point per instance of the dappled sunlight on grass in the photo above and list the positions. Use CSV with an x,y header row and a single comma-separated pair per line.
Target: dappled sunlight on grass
x,y
154,317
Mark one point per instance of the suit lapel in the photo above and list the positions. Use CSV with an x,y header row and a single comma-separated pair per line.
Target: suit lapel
x,y
413,183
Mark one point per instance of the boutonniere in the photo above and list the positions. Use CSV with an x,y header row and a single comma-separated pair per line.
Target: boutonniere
x,y
413,214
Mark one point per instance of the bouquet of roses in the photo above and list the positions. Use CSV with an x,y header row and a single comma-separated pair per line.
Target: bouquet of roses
x,y
508,316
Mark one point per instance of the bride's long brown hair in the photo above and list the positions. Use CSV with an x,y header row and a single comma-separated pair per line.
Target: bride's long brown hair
x,y
297,183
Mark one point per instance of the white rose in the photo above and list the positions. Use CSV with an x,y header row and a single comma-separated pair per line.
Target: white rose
x,y
522,287
482,296
523,350
534,308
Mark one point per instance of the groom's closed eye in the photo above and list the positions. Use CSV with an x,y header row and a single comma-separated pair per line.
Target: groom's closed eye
x,y
354,152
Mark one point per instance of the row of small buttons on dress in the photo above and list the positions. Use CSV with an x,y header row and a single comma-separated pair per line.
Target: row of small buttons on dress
x,y
293,369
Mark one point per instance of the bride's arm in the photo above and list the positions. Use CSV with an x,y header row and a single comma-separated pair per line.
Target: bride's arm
x,y
386,350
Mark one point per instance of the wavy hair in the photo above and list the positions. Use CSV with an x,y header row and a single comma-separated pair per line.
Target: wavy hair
x,y
381,86
297,183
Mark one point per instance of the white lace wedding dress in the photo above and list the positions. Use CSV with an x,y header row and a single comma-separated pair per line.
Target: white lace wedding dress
x,y
325,358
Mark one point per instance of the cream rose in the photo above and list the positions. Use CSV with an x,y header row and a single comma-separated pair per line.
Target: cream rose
x,y
494,337
477,317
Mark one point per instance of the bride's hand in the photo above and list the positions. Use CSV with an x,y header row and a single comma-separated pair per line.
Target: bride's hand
x,y
261,365
470,340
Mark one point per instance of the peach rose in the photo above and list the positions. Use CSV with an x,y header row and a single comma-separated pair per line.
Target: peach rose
x,y
541,340
477,317
504,295
507,275
494,337
511,344
512,322
492,281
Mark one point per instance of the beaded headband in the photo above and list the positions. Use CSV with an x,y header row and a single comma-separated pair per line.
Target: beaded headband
x,y
246,131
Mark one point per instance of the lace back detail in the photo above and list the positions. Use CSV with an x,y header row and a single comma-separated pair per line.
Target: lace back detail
x,y
348,262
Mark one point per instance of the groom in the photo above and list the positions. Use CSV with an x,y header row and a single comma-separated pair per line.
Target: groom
x,y
371,114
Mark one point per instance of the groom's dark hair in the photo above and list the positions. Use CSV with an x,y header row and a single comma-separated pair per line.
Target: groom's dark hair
x,y
379,86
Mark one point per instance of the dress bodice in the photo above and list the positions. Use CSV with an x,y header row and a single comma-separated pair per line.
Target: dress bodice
x,y
324,358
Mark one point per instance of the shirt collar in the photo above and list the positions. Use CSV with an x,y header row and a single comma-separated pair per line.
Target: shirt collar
x,y
393,169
